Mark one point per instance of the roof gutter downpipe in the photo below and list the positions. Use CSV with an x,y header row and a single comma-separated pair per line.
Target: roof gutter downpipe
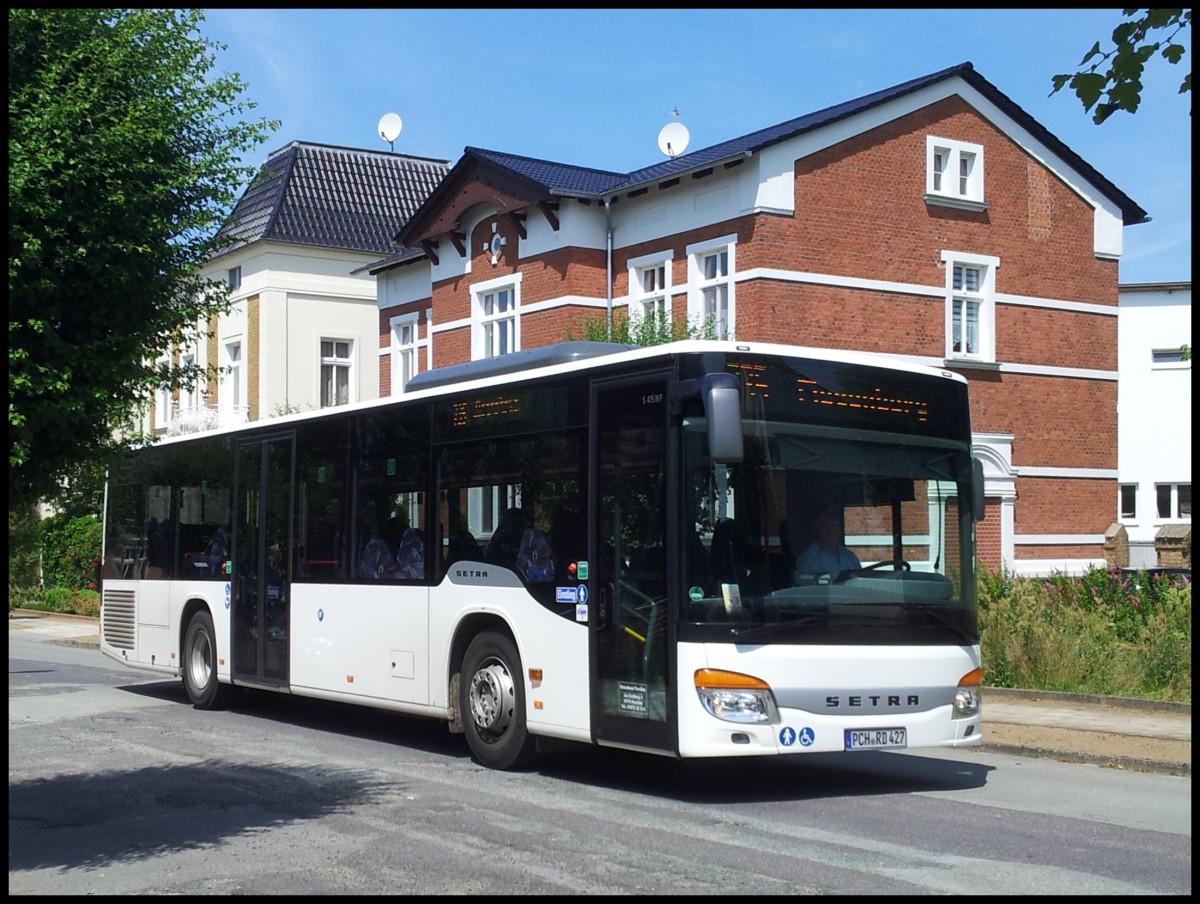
x,y
608,262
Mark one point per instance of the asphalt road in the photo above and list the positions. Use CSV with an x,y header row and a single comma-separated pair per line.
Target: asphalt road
x,y
118,786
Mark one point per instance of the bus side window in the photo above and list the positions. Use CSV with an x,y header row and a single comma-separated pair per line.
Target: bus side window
x,y
505,543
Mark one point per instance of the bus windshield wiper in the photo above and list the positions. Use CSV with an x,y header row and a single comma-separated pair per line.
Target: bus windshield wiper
x,y
773,627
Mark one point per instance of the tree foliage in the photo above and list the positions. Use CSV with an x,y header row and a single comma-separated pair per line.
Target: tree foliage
x,y
124,160
643,331
1113,81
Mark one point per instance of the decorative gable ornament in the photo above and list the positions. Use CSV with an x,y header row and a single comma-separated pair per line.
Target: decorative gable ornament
x,y
496,245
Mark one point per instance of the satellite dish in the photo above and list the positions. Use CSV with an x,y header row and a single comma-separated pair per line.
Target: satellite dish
x,y
673,139
389,128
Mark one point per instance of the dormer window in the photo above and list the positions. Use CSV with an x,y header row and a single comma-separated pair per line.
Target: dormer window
x,y
954,173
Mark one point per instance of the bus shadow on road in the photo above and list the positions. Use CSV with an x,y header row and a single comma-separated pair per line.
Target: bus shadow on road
x,y
744,779
760,779
334,717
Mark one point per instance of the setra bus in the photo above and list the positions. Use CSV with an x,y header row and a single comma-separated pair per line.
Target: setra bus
x,y
586,542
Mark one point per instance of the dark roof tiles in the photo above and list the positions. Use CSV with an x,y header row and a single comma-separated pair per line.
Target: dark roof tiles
x,y
559,178
336,197
333,197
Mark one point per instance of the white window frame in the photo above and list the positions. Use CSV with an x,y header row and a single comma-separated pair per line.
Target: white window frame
x,y
708,294
189,395
233,277
483,333
338,363
230,401
650,286
1127,493
1175,515
983,297
162,398
954,173
1169,359
406,339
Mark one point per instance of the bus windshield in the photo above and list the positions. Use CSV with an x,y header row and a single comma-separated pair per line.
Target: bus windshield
x,y
827,534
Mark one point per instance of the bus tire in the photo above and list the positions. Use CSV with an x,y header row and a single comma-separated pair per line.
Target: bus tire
x,y
200,664
492,703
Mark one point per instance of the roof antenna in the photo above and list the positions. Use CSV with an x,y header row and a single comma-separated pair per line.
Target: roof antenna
x,y
673,139
389,129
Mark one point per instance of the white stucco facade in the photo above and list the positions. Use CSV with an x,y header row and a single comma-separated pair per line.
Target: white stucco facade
x,y
1154,412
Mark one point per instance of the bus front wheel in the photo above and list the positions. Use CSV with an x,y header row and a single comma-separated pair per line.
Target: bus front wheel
x,y
200,664
492,702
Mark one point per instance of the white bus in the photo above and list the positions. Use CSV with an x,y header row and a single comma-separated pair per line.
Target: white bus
x,y
586,542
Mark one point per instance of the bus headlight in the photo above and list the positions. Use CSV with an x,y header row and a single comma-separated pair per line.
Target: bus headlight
x,y
966,698
734,697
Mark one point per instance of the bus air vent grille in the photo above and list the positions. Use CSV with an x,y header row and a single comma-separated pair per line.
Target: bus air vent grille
x,y
118,619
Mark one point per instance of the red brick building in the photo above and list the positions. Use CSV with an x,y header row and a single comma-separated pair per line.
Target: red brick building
x,y
934,221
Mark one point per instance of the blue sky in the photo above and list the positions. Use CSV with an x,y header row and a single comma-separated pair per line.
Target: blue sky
x,y
594,87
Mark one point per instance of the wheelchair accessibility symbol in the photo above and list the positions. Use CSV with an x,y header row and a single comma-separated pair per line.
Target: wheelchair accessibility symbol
x,y
788,736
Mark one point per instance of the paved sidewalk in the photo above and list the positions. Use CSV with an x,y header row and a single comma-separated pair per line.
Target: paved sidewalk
x,y
1141,735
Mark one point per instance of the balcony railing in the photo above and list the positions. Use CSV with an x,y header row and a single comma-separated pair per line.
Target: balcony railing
x,y
199,420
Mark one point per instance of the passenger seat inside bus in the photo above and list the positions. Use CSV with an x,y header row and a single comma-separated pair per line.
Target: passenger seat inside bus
x,y
410,558
505,543
534,558
378,562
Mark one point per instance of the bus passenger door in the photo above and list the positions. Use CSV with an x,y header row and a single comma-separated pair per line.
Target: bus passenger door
x,y
262,557
631,705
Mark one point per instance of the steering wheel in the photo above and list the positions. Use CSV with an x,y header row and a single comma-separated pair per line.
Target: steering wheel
x,y
889,563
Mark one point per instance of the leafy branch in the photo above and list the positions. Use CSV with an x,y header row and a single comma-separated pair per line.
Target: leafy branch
x,y
1113,81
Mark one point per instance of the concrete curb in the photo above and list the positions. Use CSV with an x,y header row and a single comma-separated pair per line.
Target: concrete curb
x,y
1138,703
1125,763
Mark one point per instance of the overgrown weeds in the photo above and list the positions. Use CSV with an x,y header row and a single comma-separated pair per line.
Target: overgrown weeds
x,y
1104,632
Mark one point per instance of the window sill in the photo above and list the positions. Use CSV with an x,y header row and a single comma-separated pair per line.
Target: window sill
x,y
959,203
971,364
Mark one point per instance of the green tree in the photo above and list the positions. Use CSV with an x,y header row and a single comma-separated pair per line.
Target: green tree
x,y
124,160
643,331
1116,74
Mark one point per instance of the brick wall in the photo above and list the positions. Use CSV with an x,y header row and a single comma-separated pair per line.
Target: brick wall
x,y
987,538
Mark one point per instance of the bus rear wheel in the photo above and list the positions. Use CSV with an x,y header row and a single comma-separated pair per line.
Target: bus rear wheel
x,y
492,703
200,665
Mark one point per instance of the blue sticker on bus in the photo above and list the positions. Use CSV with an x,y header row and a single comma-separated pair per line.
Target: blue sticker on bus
x,y
566,595
788,736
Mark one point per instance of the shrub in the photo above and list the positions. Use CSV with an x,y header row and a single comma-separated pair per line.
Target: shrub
x,y
61,599
22,551
70,548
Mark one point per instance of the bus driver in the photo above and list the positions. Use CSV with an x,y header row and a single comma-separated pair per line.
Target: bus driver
x,y
827,555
